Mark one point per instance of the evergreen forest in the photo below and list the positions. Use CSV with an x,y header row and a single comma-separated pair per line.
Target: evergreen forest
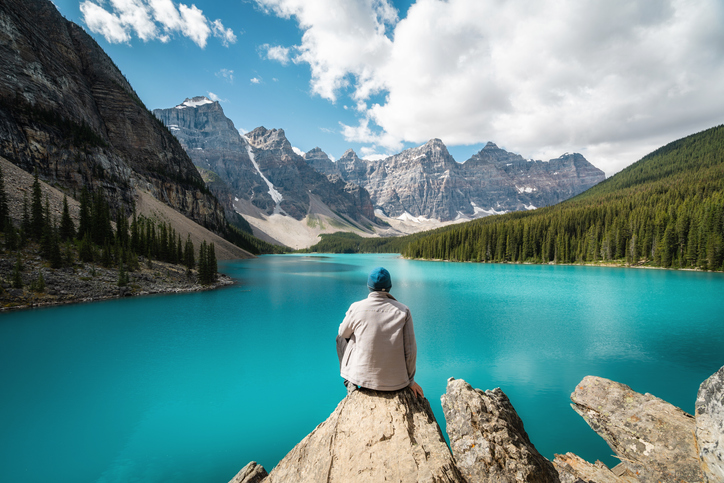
x,y
94,240
666,210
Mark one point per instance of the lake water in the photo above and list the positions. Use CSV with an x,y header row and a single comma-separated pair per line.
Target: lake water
x,y
191,387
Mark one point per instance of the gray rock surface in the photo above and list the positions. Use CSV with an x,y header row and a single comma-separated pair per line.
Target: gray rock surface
x,y
214,144
67,111
251,473
654,439
372,436
427,181
488,438
572,468
710,426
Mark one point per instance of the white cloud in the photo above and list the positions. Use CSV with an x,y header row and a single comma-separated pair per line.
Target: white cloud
x,y
255,80
610,79
226,74
276,52
227,36
152,19
297,150
215,98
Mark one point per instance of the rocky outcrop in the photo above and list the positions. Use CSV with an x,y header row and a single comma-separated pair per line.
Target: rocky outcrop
x,y
654,439
710,426
488,438
572,469
372,436
251,473
426,181
393,436
67,110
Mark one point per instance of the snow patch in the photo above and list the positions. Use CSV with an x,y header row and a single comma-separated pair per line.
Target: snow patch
x,y
275,195
415,219
195,102
174,127
525,189
530,207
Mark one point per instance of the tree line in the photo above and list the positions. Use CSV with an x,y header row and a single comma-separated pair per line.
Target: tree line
x,y
95,241
667,210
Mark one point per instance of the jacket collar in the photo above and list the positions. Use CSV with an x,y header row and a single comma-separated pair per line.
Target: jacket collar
x,y
380,295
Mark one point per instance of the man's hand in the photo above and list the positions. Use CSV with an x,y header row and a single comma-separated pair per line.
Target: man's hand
x,y
416,389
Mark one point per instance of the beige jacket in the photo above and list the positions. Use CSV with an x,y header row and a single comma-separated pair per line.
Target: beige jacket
x,y
376,344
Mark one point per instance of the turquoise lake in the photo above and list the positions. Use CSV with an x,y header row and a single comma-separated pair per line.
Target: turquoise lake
x,y
191,387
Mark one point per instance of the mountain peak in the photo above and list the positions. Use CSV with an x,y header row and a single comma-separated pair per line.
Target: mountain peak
x,y
195,102
491,145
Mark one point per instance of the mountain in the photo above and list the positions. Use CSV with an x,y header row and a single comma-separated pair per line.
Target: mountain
x,y
427,183
262,178
67,111
665,210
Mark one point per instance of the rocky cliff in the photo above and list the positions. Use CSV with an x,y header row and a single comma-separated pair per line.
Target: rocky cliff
x,y
393,436
262,173
427,182
67,110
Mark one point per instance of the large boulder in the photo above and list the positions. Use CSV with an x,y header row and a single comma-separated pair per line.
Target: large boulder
x,y
654,439
488,439
710,426
372,436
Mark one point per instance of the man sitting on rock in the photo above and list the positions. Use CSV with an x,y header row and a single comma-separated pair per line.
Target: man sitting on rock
x,y
376,341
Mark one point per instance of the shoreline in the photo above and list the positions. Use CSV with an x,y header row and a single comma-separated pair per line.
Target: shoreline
x,y
86,282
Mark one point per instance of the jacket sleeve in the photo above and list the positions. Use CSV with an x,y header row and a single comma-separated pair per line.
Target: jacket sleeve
x,y
410,347
345,328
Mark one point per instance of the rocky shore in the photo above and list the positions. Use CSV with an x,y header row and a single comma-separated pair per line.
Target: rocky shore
x,y
393,436
86,282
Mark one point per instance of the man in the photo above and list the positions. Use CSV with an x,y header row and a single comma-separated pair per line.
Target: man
x,y
376,341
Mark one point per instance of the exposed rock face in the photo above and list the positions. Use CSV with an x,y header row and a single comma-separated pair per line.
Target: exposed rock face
x,y
710,426
427,181
654,439
260,167
488,439
372,436
67,110
251,473
572,468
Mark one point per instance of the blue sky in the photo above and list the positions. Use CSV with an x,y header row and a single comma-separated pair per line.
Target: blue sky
x,y
610,79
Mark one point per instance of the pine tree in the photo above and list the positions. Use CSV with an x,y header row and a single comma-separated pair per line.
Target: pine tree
x,y
84,225
67,228
36,210
189,253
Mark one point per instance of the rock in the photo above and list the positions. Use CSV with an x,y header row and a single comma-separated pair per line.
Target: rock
x,y
710,426
488,439
653,439
426,180
251,473
572,468
372,436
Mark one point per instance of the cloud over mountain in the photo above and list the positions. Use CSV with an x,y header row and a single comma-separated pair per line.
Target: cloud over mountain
x,y
610,79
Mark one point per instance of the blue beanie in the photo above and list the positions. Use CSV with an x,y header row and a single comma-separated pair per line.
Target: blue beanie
x,y
379,279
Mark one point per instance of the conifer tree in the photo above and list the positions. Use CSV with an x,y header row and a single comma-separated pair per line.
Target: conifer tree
x,y
67,228
36,210
189,253
84,225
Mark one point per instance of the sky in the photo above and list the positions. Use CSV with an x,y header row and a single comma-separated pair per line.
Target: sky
x,y
610,79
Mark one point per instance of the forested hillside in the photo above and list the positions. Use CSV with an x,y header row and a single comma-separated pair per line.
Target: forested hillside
x,y
666,210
